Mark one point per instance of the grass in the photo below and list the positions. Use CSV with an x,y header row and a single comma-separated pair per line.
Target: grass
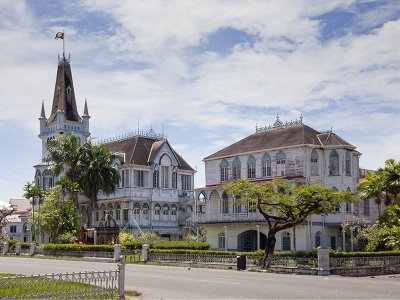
x,y
12,287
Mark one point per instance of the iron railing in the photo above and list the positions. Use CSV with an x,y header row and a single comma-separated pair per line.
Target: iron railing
x,y
76,285
362,261
132,256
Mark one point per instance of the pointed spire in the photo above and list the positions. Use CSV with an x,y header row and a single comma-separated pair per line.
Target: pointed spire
x,y
85,110
42,113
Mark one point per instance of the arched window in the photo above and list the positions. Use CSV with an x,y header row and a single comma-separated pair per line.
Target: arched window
x,y
225,205
157,209
348,163
236,169
174,210
221,240
38,177
201,203
318,239
314,162
224,170
48,180
165,212
165,163
136,212
286,241
266,165
145,213
280,163
189,211
251,167
333,163
25,228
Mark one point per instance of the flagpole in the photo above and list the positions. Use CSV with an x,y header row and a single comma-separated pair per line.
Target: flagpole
x,y
63,45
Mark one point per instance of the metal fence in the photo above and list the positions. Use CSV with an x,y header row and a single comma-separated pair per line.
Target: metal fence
x,y
343,262
192,257
77,285
132,256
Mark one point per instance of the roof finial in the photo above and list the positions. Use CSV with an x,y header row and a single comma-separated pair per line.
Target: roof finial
x,y
301,118
42,113
85,110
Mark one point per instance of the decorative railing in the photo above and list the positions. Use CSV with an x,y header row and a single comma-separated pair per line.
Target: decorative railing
x,y
193,257
132,256
343,262
76,285
289,261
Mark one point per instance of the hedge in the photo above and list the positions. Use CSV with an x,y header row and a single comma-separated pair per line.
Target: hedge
x,y
76,247
333,253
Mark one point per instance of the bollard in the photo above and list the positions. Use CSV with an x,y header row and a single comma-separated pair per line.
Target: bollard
x,y
17,248
5,247
145,251
323,262
117,252
32,249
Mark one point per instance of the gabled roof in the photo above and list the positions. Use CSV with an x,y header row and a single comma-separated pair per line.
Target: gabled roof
x,y
142,150
64,94
281,137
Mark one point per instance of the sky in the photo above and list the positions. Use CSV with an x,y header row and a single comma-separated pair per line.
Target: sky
x,y
203,72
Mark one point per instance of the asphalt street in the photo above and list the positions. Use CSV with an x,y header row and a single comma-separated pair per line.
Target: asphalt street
x,y
162,282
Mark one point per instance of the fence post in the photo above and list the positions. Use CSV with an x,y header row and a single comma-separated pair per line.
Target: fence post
x,y
323,261
32,249
5,248
117,252
145,251
121,279
17,248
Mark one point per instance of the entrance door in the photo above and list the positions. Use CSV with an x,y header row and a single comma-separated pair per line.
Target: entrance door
x,y
333,242
248,242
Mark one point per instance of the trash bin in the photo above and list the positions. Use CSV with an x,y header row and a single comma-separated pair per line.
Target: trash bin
x,y
241,262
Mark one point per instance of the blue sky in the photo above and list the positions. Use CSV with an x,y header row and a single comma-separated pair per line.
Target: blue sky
x,y
205,71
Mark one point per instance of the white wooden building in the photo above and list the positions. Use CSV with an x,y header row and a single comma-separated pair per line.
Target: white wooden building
x,y
156,188
293,151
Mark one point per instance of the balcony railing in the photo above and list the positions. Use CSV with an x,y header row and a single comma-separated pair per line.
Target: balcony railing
x,y
229,218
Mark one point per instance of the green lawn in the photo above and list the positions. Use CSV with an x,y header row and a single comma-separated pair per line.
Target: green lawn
x,y
26,288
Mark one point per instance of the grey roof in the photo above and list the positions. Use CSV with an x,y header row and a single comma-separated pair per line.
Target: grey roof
x,y
281,137
142,150
64,94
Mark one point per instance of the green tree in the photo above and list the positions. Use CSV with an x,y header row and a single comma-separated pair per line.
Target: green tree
x,y
57,216
5,211
35,194
284,205
384,184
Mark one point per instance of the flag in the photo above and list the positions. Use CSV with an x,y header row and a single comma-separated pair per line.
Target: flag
x,y
59,35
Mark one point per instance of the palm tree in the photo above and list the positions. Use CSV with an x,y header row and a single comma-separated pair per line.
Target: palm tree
x,y
390,177
96,173
371,188
64,155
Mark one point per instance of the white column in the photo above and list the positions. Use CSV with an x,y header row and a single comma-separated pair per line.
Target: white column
x,y
226,237
258,237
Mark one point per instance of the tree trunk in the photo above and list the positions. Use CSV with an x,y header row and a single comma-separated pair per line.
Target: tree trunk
x,y
89,211
269,251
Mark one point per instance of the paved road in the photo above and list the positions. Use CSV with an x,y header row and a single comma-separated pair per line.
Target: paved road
x,y
158,282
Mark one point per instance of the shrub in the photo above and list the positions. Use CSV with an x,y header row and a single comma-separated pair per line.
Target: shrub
x,y
52,249
125,237
66,238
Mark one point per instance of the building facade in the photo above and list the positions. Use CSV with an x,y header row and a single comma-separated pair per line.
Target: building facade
x,y
292,151
155,192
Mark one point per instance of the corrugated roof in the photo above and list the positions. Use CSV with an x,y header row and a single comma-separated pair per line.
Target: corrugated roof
x,y
141,150
280,137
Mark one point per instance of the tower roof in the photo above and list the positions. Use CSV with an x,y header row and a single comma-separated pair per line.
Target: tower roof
x,y
85,110
64,94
